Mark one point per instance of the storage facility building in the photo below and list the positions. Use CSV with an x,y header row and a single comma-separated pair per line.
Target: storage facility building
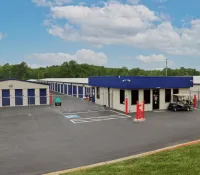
x,y
111,91
155,91
23,93
77,87
195,90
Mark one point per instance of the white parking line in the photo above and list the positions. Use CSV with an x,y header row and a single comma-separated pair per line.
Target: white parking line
x,y
119,113
96,119
84,112
103,116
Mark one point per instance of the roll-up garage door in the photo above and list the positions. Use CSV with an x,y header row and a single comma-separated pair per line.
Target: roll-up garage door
x,y
56,87
18,97
86,93
5,97
43,96
74,91
70,90
93,94
31,96
65,87
61,88
80,91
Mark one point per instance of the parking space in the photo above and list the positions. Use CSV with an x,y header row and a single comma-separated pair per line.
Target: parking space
x,y
47,141
94,116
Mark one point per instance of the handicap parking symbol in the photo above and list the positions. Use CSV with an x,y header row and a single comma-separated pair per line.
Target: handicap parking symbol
x,y
72,116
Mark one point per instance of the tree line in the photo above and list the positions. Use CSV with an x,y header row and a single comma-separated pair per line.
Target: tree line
x,y
72,69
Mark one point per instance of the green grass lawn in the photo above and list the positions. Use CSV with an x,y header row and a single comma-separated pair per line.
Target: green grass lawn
x,y
181,161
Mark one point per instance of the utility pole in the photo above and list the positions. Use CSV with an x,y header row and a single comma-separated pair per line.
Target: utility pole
x,y
166,62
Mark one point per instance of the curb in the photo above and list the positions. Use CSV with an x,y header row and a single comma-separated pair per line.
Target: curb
x,y
125,158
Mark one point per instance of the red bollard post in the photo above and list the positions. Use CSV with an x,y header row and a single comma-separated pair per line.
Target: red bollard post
x,y
195,101
88,98
143,110
140,108
51,99
140,112
126,105
137,110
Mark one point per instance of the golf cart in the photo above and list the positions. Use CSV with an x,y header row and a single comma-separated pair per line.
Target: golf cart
x,y
180,102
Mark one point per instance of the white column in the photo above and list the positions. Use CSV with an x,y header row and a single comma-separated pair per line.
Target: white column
x,y
12,97
37,96
0,97
63,88
83,91
25,97
48,96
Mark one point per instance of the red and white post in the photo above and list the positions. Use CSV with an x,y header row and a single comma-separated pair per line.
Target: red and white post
x,y
126,105
140,112
50,98
195,101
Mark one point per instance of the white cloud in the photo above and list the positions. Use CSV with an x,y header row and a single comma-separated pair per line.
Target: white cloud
x,y
160,1
2,36
35,66
133,1
81,56
153,59
51,2
125,24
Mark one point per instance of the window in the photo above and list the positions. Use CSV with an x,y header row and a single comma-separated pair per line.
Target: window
x,y
147,96
122,96
134,96
175,91
167,95
98,93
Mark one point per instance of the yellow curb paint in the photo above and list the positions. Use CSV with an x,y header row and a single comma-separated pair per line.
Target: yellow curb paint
x,y
125,158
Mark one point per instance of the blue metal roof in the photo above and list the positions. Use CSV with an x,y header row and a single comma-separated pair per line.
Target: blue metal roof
x,y
141,82
23,81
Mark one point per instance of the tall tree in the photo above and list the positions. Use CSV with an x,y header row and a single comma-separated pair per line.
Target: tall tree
x,y
72,69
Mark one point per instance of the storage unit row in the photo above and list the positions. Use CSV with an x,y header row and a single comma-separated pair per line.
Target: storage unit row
x,y
24,97
79,91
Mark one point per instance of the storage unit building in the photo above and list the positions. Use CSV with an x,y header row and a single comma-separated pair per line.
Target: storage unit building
x,y
155,91
68,86
195,90
22,93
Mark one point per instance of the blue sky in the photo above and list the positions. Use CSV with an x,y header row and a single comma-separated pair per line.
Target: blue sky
x,y
128,33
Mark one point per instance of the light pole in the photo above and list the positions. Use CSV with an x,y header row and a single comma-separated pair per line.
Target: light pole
x,y
166,63
126,98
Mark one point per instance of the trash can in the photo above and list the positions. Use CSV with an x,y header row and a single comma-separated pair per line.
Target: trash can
x,y
57,101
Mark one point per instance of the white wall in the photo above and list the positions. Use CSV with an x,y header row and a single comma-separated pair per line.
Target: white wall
x,y
132,108
103,100
195,90
24,86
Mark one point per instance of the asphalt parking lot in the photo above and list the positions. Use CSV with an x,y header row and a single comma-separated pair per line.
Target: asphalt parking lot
x,y
47,140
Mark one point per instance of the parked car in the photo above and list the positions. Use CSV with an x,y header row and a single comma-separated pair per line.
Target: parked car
x,y
181,102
